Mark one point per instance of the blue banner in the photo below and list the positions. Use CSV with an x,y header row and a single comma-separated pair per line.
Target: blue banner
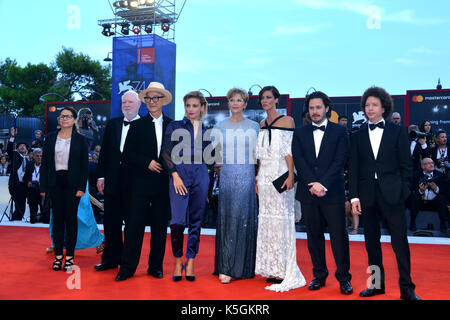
x,y
137,61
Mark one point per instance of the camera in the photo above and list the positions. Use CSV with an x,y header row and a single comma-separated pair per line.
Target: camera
x,y
426,179
444,161
419,135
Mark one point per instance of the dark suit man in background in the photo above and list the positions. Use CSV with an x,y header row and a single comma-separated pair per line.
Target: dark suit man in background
x,y
380,171
31,179
17,187
429,192
114,180
439,153
320,152
150,186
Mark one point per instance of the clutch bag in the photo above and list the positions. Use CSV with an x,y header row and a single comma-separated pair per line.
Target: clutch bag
x,y
278,182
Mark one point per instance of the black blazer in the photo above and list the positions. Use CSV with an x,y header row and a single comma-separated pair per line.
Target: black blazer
x,y
28,176
78,162
439,178
16,161
433,153
109,160
393,165
327,168
140,149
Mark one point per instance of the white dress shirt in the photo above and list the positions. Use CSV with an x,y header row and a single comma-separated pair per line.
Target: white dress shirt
x,y
159,131
125,129
430,194
318,136
36,173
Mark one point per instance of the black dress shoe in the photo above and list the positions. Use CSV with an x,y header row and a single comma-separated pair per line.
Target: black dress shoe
x,y
346,287
316,284
274,280
122,277
155,274
104,266
371,292
409,295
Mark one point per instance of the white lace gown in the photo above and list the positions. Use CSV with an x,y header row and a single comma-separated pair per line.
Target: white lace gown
x,y
276,242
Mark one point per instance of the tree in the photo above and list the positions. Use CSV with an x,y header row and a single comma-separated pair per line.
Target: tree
x,y
79,74
20,88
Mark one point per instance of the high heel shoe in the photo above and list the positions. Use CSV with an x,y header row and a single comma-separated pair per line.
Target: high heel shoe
x,y
188,278
68,264
57,263
179,278
224,278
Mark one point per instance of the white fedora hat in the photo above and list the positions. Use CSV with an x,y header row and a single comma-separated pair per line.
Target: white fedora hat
x,y
159,88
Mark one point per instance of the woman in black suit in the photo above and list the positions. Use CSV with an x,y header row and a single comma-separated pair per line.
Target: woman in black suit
x,y
63,150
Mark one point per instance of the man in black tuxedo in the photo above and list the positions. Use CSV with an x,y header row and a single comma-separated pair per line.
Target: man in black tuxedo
x,y
430,188
150,185
17,187
114,180
31,179
380,170
320,152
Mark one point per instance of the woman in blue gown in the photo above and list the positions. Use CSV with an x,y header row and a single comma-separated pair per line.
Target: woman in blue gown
x,y
88,236
237,212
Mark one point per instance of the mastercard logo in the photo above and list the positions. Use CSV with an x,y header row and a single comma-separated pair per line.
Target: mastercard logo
x,y
417,99
52,109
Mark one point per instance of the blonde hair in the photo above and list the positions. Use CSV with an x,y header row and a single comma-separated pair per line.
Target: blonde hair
x,y
241,92
197,95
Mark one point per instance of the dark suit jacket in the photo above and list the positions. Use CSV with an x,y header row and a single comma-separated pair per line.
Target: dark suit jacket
x,y
28,176
78,162
393,165
433,153
140,149
327,168
16,161
109,160
438,177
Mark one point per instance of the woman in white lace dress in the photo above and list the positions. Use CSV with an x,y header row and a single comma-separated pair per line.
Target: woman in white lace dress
x,y
276,256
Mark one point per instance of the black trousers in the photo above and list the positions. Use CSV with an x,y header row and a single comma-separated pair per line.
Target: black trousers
x,y
438,204
34,203
157,208
315,216
395,218
64,208
117,207
19,192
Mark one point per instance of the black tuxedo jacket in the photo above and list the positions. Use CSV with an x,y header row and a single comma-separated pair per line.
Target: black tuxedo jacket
x,y
433,153
16,162
28,176
78,162
140,149
393,165
110,158
327,168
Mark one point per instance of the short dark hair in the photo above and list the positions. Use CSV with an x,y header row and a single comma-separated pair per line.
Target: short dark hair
x,y
439,132
386,100
274,90
319,95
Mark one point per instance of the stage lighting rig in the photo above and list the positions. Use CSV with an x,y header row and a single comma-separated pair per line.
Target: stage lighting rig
x,y
144,15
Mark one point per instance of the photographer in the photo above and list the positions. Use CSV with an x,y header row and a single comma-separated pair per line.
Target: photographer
x,y
430,189
418,146
17,188
439,153
87,127
31,179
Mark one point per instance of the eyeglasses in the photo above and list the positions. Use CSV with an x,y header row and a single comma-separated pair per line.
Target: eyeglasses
x,y
66,116
153,99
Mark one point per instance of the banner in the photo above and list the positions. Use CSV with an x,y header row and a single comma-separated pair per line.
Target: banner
x,y
100,111
432,105
137,61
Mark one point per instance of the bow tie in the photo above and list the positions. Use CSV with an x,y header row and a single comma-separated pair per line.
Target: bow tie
x,y
126,123
318,128
379,125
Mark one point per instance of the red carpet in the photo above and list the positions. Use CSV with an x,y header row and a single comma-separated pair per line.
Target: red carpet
x,y
26,274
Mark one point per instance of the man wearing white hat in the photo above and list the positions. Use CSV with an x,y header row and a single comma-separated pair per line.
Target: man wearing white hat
x,y
150,186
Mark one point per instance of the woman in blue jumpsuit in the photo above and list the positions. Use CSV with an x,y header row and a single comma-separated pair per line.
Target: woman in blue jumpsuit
x,y
189,180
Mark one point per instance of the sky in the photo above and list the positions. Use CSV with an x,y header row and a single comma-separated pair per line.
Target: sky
x,y
340,47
